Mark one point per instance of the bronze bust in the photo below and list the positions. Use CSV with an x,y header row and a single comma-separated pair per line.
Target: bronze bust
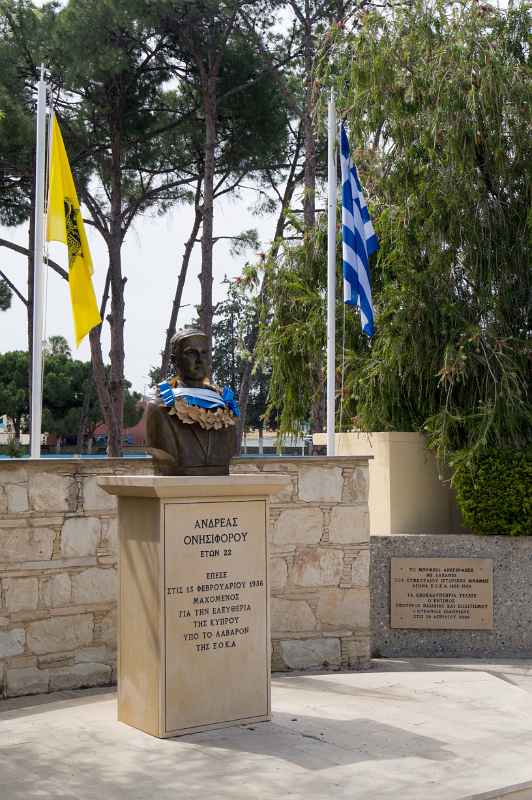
x,y
191,427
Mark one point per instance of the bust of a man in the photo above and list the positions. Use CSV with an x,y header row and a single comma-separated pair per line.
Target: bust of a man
x,y
191,426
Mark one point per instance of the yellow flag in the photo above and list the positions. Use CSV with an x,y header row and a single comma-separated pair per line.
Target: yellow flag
x,y
65,224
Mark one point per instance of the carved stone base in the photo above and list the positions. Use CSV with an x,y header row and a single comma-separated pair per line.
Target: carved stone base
x,y
194,628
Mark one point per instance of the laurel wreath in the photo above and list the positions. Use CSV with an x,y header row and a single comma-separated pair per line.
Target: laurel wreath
x,y
204,417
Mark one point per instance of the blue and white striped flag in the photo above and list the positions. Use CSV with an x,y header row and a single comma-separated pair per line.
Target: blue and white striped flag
x,y
359,240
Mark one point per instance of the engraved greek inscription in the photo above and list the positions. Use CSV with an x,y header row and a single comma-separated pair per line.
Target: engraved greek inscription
x,y
441,593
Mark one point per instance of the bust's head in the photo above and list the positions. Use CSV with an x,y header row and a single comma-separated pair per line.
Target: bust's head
x,y
190,356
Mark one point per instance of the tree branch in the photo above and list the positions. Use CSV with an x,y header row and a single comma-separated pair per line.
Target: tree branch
x,y
232,187
132,208
236,238
25,252
99,220
13,288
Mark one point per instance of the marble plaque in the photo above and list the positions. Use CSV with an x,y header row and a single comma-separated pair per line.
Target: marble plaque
x,y
441,593
216,626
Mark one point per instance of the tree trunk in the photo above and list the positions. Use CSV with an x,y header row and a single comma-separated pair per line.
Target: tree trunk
x,y
309,212
87,397
206,309
103,391
100,378
165,361
116,383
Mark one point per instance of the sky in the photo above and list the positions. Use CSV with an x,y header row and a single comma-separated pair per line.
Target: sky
x,y
152,254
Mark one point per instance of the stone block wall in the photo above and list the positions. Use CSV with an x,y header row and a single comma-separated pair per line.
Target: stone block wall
x,y
319,562
58,568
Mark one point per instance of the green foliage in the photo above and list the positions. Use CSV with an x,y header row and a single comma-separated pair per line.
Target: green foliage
x,y
435,96
133,409
445,157
155,376
57,346
5,296
293,335
226,361
252,121
14,394
293,338
494,493
16,144
118,120
233,330
245,240
65,384
24,32
137,88
249,94
69,399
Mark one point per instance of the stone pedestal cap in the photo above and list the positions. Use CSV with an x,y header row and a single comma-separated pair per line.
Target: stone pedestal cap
x,y
166,487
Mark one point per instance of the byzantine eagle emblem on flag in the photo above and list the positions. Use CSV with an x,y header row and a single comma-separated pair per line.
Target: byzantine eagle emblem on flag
x,y
73,237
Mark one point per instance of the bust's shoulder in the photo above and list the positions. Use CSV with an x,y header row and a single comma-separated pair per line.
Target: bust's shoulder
x,y
154,405
155,410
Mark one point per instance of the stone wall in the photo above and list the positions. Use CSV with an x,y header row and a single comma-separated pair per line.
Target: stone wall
x,y
512,598
58,568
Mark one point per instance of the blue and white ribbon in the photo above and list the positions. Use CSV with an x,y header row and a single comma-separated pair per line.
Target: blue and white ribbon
x,y
166,394
230,400
204,398
359,240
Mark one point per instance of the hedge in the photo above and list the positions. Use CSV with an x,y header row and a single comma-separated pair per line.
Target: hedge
x,y
494,493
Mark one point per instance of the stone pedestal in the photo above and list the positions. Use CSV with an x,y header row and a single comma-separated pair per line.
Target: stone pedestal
x,y
194,627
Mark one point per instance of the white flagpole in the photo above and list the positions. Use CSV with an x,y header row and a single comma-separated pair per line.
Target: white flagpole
x,y
331,276
38,272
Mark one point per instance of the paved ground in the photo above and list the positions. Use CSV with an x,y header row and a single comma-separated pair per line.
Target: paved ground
x,y
409,730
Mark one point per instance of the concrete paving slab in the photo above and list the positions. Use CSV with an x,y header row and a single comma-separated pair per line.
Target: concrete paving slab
x,y
517,671
415,731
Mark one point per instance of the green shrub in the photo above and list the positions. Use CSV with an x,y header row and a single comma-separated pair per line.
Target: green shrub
x,y
494,492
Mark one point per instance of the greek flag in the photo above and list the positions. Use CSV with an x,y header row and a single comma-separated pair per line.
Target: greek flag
x,y
358,239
